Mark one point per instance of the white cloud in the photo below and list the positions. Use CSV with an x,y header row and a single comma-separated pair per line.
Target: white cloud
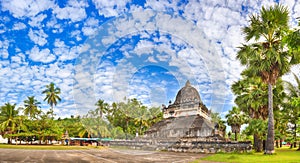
x,y
110,8
36,21
54,25
75,11
19,26
4,53
44,55
65,52
26,8
38,36
90,27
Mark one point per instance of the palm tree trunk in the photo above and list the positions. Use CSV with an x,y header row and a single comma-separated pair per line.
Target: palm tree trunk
x,y
235,135
270,135
280,142
258,145
295,136
52,116
126,129
277,143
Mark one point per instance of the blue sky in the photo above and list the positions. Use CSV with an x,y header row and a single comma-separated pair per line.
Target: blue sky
x,y
106,49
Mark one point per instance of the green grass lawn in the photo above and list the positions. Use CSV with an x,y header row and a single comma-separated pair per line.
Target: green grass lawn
x,y
49,147
284,155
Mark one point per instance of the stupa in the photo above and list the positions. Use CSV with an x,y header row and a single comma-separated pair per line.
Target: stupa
x,y
186,127
186,117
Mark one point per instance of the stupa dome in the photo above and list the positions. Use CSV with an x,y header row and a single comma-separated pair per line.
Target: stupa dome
x,y
187,94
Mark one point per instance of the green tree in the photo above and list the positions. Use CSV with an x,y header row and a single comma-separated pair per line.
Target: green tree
x,y
235,119
9,119
102,107
219,123
258,128
52,96
46,128
31,107
293,110
71,125
132,117
268,57
252,98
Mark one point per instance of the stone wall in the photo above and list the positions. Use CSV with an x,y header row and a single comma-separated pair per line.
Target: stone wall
x,y
184,145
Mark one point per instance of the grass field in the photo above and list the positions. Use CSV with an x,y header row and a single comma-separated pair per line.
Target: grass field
x,y
283,155
49,147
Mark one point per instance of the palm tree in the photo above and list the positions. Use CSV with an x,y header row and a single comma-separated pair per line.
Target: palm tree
x,y
8,119
258,128
219,123
268,57
102,107
31,107
251,97
294,110
141,121
52,97
235,118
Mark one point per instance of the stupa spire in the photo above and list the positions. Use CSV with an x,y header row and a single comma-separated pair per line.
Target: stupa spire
x,y
187,83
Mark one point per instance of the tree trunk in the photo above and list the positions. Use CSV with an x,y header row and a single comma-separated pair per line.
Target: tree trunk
x,y
280,142
270,135
126,130
235,136
8,141
277,143
295,136
258,145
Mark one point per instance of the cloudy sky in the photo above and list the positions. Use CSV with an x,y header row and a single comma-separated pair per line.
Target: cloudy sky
x,y
108,49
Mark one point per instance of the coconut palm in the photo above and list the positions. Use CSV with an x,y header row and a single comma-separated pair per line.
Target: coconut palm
x,y
52,95
102,107
8,119
141,121
31,107
235,118
266,54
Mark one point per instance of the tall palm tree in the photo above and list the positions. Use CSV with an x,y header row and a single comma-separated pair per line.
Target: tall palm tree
x,y
31,107
102,107
235,119
268,57
52,95
251,97
8,119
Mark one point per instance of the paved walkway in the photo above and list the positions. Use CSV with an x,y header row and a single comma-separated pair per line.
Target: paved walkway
x,y
95,155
